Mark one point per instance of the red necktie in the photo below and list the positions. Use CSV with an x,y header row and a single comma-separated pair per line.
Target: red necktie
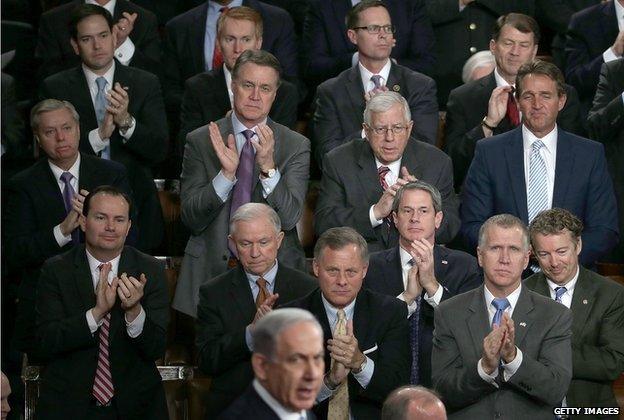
x,y
512,110
217,56
103,389
383,171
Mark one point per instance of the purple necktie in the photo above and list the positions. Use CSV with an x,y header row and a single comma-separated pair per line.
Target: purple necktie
x,y
68,195
376,79
244,175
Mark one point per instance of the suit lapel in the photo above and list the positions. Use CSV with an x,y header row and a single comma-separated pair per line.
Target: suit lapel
x,y
369,180
83,279
222,97
583,300
283,286
240,292
522,315
541,286
49,192
355,90
514,156
394,82
361,318
563,170
81,99
394,272
410,159
477,320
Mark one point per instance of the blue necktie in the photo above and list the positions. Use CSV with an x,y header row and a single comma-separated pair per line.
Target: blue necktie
x,y
500,304
537,199
100,109
559,292
68,194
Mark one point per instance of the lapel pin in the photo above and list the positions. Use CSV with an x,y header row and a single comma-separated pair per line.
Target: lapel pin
x,y
444,262
585,302
396,88
523,324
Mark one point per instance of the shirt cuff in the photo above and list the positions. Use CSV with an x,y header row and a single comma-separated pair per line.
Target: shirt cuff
x,y
435,300
269,184
126,136
609,55
222,186
248,339
93,326
135,328
324,393
491,379
98,144
125,52
509,369
411,308
364,377
61,239
373,220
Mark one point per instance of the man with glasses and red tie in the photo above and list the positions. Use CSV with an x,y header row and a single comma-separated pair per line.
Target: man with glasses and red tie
x,y
102,315
340,101
361,177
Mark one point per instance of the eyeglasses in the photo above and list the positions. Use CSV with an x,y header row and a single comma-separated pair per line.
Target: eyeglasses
x,y
380,131
374,29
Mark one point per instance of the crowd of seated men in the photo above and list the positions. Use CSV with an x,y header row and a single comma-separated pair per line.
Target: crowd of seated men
x,y
443,209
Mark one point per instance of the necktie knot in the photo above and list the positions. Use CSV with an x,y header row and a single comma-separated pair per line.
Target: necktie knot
x,y
376,79
261,283
66,177
341,315
248,134
101,83
537,145
559,292
500,304
383,171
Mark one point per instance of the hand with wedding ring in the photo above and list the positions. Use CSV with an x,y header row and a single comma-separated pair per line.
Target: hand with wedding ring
x,y
130,292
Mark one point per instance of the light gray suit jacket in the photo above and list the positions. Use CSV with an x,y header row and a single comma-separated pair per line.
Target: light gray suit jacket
x,y
203,212
542,333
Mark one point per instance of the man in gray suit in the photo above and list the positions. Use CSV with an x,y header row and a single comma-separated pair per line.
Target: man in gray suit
x,y
361,177
521,366
241,158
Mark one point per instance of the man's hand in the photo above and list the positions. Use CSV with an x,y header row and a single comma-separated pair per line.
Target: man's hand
x,y
368,95
265,308
123,28
508,350
105,293
414,288
618,45
422,253
106,128
344,349
492,345
118,101
130,293
497,107
265,146
228,155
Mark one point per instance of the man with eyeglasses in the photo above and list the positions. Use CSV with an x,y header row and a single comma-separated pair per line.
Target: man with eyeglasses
x,y
361,177
340,101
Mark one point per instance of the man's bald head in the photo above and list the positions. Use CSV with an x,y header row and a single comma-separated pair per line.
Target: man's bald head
x,y
413,403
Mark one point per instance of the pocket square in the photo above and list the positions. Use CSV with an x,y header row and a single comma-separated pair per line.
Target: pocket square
x,y
372,349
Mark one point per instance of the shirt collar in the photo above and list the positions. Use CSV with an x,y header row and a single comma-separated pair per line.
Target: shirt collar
x,y
405,257
569,285
74,170
94,263
280,410
512,298
269,276
549,140
91,76
366,75
395,167
110,6
332,312
239,127
500,81
228,82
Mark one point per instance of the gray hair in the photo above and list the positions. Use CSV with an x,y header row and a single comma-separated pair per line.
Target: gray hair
x,y
478,59
436,198
253,211
339,237
505,221
267,330
382,102
48,105
428,404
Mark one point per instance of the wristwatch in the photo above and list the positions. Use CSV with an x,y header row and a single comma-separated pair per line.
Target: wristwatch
x,y
126,124
269,174
362,366
486,125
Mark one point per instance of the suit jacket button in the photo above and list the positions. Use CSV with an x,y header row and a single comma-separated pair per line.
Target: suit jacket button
x,y
472,26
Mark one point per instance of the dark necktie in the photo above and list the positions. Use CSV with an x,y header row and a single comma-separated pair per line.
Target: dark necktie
x,y
512,110
217,56
376,79
103,388
263,292
382,171
68,195
414,320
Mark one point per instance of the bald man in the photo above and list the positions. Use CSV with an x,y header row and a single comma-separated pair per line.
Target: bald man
x,y
413,403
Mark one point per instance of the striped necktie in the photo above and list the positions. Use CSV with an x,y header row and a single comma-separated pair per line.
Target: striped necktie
x,y
103,388
537,199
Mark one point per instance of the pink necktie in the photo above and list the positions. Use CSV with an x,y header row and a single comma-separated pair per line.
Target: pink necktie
x,y
103,389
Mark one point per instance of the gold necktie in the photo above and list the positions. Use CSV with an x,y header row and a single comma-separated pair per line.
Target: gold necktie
x,y
263,293
339,401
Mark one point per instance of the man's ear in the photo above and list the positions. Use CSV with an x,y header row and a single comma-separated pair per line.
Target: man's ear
x,y
258,363
352,36
74,45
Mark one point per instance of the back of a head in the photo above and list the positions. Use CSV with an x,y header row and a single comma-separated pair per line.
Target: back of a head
x,y
413,403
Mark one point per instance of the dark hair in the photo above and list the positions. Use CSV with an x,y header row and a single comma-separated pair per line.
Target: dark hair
x,y
434,193
83,11
523,23
259,58
554,222
108,190
540,67
353,16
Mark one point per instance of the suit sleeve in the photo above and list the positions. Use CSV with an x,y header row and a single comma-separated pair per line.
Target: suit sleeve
x,y
450,203
606,117
547,378
602,360
421,47
327,132
220,347
456,379
424,110
582,69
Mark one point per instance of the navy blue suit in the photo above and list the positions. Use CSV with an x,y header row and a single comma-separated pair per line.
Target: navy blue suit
x,y
328,50
456,271
495,184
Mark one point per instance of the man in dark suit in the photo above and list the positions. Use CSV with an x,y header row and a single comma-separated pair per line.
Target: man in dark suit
x,y
102,346
328,50
361,177
482,108
137,41
288,366
208,96
340,101
502,351
593,38
190,42
539,166
122,112
606,125
597,305
231,304
241,158
420,272
366,333
41,216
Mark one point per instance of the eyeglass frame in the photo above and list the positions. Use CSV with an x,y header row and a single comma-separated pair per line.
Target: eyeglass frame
x,y
387,29
383,131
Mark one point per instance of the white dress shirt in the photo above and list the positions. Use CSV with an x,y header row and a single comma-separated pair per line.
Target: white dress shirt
x,y
61,239
125,51
434,300
609,54
282,412
228,83
366,75
391,178
548,154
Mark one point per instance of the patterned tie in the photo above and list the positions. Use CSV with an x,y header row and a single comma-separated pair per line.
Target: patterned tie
x,y
100,109
339,401
376,79
559,292
217,56
68,195
382,171
414,336
537,199
103,389
512,109
500,304
263,292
